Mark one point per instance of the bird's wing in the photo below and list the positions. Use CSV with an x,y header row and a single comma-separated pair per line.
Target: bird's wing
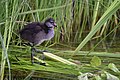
x,y
34,27
29,31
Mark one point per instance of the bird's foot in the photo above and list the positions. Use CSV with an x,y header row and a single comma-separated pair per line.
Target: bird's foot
x,y
41,51
37,50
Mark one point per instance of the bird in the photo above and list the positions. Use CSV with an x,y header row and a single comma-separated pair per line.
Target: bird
x,y
36,33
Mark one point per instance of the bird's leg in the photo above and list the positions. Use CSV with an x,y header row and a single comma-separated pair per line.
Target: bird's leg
x,y
33,50
40,51
32,54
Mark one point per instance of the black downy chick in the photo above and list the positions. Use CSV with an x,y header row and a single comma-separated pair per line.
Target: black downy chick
x,y
36,33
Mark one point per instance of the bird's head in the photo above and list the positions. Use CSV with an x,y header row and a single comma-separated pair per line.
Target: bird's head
x,y
50,23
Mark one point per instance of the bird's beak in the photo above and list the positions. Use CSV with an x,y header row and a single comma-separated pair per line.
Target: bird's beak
x,y
55,24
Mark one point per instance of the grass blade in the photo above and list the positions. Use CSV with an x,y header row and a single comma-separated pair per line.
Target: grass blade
x,y
109,12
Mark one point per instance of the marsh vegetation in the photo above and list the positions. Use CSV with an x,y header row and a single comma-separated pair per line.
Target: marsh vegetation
x,y
87,35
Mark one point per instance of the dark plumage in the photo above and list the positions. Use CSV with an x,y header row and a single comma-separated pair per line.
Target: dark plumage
x,y
37,32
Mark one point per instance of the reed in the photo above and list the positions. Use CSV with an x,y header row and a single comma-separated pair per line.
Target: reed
x,y
79,21
72,17
4,51
109,12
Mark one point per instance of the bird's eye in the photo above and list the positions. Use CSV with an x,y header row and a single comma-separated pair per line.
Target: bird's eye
x,y
51,22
